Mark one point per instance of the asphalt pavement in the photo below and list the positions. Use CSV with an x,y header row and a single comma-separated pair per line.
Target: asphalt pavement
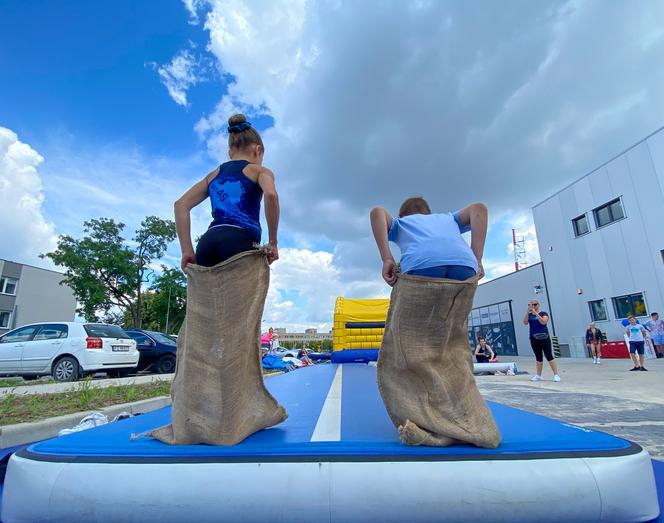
x,y
606,397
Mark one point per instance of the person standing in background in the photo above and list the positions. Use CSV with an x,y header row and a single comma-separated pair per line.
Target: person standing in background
x,y
656,328
274,341
540,341
594,342
637,335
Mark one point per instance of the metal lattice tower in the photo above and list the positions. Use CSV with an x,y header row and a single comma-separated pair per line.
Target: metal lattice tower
x,y
520,253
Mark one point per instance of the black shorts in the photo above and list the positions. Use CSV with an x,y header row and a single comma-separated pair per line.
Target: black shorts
x,y
637,346
222,242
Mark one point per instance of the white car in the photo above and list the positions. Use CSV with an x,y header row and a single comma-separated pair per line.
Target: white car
x,y
281,352
66,350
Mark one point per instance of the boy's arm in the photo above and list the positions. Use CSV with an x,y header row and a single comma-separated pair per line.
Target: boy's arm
x,y
476,215
381,221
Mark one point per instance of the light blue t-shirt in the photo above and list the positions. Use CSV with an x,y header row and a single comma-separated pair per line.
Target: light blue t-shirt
x,y
431,240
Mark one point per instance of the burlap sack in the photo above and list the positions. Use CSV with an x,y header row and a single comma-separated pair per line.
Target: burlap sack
x,y
425,367
218,393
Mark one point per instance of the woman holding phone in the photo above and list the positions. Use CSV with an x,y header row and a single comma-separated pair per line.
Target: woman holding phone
x,y
540,341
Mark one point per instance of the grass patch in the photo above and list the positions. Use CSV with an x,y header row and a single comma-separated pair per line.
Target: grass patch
x,y
23,408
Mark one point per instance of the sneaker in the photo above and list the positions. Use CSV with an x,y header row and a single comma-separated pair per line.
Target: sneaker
x,y
536,377
595,360
599,362
634,368
643,368
556,378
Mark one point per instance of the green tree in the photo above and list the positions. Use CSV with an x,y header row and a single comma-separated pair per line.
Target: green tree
x,y
152,239
163,306
104,272
170,299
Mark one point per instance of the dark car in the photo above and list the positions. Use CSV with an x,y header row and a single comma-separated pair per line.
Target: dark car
x,y
157,351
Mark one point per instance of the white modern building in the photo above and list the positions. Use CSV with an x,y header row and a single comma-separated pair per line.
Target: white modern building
x,y
499,307
30,294
308,336
601,240
601,243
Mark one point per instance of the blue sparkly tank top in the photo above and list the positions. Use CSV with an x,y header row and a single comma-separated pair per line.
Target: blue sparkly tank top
x,y
236,200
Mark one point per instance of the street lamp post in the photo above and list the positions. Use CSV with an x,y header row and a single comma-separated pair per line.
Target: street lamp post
x,y
168,307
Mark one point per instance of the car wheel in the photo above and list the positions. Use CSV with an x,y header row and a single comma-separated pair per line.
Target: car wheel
x,y
66,369
166,364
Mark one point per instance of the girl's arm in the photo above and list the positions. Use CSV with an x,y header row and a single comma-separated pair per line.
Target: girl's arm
x,y
381,221
476,215
266,182
477,350
182,210
543,319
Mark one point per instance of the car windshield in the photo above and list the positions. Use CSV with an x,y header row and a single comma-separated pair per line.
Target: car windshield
x,y
99,330
161,338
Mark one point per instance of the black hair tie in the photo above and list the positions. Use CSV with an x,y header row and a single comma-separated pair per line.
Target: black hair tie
x,y
239,127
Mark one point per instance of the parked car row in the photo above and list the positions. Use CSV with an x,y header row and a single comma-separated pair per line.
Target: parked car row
x,y
69,351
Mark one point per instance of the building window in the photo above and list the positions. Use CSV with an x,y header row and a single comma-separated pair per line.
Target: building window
x,y
8,285
598,310
609,213
630,304
580,225
5,319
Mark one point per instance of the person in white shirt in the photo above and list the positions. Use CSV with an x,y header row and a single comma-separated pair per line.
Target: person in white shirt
x,y
637,334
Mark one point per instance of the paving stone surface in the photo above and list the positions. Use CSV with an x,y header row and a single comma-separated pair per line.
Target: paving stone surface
x,y
604,397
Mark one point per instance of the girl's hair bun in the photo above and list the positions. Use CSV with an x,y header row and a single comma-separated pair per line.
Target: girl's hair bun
x,y
236,119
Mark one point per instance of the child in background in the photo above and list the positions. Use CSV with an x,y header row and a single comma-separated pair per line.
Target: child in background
x,y
483,352
637,336
431,243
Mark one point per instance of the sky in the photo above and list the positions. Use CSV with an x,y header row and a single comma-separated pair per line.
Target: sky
x,y
114,109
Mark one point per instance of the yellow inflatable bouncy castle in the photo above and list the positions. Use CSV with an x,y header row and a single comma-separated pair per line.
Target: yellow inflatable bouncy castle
x,y
358,329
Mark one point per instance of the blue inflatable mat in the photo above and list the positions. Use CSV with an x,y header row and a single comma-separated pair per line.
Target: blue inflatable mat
x,y
365,430
339,445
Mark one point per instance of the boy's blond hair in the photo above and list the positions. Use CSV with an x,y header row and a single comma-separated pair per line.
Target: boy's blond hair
x,y
414,205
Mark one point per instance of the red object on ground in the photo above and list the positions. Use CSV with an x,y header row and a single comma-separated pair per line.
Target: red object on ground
x,y
615,349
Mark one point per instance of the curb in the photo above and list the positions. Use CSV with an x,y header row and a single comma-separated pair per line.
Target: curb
x,y
23,433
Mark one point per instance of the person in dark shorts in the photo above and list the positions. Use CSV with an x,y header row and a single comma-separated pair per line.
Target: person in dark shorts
x,y
483,352
637,336
594,342
235,189
540,341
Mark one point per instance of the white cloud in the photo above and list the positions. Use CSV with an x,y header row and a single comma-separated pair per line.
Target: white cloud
x,y
183,72
193,7
317,281
85,181
374,102
25,233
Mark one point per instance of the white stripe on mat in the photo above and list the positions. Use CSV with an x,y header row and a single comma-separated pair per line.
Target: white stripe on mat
x,y
328,426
